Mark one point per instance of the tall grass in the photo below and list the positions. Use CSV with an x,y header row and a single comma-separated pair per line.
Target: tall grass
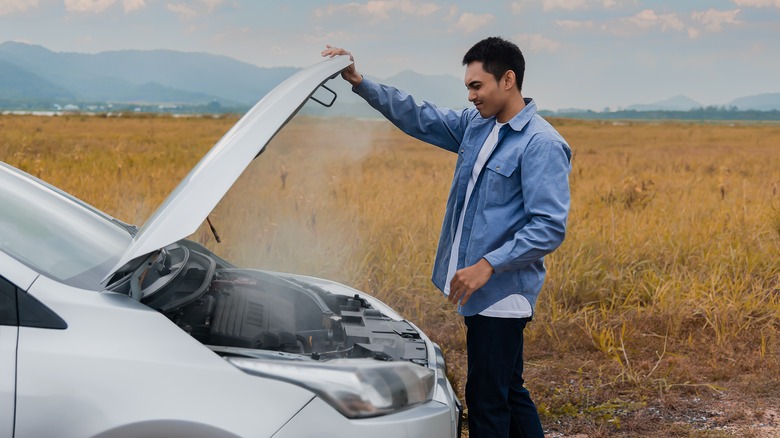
x,y
668,282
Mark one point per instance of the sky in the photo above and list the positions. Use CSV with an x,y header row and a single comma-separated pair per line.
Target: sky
x,y
594,54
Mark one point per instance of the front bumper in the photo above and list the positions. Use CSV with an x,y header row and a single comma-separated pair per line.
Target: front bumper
x,y
439,418
318,419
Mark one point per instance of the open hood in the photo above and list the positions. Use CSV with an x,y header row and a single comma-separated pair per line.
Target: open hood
x,y
196,196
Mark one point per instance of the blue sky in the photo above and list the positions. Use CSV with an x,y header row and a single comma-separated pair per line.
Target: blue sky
x,y
579,53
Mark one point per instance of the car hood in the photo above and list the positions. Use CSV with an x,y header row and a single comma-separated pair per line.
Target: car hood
x,y
196,196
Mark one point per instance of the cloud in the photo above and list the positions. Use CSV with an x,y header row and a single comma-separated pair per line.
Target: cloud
x,y
616,3
647,19
535,43
11,6
643,21
93,6
380,9
416,8
713,19
757,3
569,5
240,33
133,5
453,11
98,6
574,24
211,4
190,10
468,22
518,6
183,10
327,38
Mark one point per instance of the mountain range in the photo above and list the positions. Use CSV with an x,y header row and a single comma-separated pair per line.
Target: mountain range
x,y
676,103
759,102
33,75
30,73
155,76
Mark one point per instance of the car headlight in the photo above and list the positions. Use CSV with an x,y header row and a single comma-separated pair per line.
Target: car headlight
x,y
357,388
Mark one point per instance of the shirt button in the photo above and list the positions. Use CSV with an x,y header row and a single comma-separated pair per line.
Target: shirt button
x,y
462,151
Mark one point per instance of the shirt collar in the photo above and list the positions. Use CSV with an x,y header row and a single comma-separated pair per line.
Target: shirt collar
x,y
522,118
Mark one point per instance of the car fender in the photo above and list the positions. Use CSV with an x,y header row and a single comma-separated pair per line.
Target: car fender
x,y
153,373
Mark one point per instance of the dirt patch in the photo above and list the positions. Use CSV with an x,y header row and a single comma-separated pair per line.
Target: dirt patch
x,y
723,415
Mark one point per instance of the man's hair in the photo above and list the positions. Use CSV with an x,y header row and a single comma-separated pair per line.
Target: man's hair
x,y
497,56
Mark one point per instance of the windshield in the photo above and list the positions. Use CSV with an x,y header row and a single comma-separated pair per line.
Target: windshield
x,y
55,234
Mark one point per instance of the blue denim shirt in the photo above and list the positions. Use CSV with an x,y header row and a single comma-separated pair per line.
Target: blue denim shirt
x,y
519,205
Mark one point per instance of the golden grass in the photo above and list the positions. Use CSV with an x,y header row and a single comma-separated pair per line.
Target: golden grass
x,y
667,287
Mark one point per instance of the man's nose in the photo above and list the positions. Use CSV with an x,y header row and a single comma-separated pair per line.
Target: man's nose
x,y
472,96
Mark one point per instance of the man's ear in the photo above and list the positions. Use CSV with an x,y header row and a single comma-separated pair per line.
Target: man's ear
x,y
509,80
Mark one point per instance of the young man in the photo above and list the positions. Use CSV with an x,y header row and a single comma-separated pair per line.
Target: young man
x,y
507,208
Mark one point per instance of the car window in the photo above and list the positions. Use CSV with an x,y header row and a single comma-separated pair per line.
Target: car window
x,y
55,235
7,303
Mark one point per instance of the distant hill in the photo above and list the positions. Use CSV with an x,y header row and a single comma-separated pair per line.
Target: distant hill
x,y
760,102
166,76
676,103
17,83
149,76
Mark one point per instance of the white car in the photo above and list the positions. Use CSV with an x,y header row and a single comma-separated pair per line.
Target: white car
x,y
111,331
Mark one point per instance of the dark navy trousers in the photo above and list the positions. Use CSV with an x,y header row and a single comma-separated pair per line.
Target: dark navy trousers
x,y
498,404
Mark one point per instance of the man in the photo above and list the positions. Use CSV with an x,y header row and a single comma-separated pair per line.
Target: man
x,y
507,208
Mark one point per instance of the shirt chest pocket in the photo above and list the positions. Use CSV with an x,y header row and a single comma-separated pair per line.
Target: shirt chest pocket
x,y
502,183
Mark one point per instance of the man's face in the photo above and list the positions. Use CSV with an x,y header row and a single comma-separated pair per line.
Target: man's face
x,y
484,91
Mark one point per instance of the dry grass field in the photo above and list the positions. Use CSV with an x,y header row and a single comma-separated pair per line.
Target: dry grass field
x,y
661,311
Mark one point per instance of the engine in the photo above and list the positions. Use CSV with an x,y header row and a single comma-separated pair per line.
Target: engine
x,y
238,309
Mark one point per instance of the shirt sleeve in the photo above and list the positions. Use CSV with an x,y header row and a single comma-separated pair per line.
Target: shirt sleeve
x,y
545,168
424,121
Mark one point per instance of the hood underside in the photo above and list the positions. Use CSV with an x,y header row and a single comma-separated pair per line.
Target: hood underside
x,y
201,190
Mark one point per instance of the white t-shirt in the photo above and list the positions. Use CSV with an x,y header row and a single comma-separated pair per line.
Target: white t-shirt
x,y
514,305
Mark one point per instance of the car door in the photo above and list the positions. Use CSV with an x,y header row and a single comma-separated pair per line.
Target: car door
x,y
9,332
15,277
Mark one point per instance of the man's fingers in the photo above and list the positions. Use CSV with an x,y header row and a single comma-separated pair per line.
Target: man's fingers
x,y
334,51
468,280
458,289
459,296
454,295
329,51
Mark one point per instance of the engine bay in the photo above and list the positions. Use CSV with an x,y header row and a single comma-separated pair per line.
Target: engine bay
x,y
240,311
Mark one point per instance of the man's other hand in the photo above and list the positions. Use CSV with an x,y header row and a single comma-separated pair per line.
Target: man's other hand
x,y
350,74
469,279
